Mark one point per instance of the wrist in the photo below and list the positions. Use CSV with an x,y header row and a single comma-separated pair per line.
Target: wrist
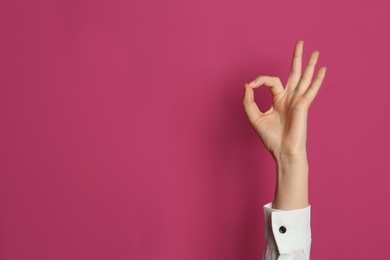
x,y
291,181
292,164
290,157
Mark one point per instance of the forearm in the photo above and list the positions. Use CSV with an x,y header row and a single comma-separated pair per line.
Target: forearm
x,y
292,172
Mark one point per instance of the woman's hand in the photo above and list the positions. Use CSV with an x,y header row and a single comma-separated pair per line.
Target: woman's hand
x,y
282,129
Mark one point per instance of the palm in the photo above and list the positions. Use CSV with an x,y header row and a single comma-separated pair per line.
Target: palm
x,y
282,129
284,125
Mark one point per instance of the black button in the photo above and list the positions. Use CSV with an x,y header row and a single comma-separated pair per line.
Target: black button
x,y
282,229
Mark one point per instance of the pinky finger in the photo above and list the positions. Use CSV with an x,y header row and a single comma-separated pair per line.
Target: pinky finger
x,y
314,87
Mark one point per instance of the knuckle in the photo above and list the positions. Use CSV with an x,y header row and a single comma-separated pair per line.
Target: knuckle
x,y
306,101
277,79
304,78
259,77
294,72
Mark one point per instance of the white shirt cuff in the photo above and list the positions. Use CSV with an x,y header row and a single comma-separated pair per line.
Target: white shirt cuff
x,y
287,230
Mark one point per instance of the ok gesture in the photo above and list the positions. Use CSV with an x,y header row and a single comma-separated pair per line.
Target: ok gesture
x,y
283,128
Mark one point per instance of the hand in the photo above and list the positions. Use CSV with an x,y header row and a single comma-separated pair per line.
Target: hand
x,y
282,129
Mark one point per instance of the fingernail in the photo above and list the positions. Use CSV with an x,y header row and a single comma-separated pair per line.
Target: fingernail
x,y
253,83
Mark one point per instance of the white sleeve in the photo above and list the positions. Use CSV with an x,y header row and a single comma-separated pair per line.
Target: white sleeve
x,y
287,233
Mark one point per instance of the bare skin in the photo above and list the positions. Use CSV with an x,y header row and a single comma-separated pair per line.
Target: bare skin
x,y
283,128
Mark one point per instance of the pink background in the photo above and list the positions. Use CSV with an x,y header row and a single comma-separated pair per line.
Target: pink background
x,y
123,134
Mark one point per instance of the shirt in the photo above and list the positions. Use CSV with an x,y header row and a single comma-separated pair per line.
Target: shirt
x,y
287,233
